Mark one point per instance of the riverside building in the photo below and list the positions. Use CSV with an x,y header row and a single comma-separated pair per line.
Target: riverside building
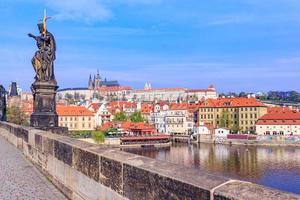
x,y
238,114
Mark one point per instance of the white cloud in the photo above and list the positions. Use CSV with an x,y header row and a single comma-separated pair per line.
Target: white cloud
x,y
89,10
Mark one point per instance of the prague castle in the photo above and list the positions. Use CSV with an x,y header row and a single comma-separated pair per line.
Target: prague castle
x,y
97,82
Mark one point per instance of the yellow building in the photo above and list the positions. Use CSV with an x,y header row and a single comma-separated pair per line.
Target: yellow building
x,y
75,118
234,113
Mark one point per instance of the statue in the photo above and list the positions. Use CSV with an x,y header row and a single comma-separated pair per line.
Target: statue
x,y
44,57
44,88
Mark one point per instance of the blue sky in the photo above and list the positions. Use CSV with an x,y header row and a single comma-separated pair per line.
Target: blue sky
x,y
237,45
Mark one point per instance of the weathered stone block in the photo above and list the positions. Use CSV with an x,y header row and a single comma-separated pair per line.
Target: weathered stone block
x,y
48,146
87,163
111,174
238,190
38,142
143,184
63,152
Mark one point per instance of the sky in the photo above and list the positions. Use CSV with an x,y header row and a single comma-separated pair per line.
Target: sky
x,y
248,45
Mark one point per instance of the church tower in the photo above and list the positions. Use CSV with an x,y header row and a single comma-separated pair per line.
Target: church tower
x,y
90,84
97,80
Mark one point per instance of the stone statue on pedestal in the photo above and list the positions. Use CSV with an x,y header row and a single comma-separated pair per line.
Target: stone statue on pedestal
x,y
44,88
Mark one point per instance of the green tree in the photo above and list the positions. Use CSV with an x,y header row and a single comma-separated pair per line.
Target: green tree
x,y
224,118
137,117
294,96
98,136
120,116
16,115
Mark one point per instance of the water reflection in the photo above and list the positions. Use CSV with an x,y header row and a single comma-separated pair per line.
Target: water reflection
x,y
277,167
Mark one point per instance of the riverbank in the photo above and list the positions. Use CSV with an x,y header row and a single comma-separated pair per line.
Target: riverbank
x,y
248,140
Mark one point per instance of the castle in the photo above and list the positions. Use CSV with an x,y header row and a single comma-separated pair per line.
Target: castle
x,y
97,82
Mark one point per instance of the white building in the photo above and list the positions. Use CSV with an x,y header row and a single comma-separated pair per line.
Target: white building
x,y
221,132
173,94
279,123
158,117
177,120
203,129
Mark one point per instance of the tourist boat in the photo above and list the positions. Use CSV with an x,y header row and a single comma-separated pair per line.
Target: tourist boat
x,y
146,141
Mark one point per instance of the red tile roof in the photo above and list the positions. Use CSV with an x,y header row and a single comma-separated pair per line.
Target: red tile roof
x,y
120,104
179,106
232,102
128,126
73,111
280,118
147,108
95,106
278,109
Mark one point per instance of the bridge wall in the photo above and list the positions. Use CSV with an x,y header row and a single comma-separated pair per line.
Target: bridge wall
x,y
84,171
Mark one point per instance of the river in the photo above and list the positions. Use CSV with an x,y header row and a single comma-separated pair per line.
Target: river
x,y
275,167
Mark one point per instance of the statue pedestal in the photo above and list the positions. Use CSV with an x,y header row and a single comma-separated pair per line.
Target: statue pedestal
x,y
44,114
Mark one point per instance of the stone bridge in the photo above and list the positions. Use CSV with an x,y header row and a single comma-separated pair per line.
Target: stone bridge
x,y
85,171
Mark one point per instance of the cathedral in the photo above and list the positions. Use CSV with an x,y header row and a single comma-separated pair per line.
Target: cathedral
x,y
97,82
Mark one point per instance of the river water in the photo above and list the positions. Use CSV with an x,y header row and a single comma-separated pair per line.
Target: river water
x,y
276,167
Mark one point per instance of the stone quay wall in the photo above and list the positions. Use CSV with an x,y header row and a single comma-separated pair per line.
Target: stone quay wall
x,y
84,171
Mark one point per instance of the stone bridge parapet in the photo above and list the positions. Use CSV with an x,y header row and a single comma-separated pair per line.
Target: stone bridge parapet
x,y
85,171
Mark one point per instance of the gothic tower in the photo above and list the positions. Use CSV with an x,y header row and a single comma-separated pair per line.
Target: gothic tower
x,y
97,80
90,84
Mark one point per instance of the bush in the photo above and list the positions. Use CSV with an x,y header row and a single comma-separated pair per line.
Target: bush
x,y
16,115
98,136
81,134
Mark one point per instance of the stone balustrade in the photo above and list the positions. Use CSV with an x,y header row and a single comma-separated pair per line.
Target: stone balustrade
x,y
84,171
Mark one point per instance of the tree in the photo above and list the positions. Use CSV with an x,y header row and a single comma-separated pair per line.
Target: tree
x,y
137,117
98,136
294,96
16,115
224,118
120,116
242,94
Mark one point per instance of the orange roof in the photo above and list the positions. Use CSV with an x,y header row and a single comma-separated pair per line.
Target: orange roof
x,y
147,108
128,126
95,106
120,104
73,111
179,106
232,102
280,118
278,109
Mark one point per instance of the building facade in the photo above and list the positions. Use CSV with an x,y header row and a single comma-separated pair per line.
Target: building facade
x,y
178,121
279,123
237,114
76,118
173,94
